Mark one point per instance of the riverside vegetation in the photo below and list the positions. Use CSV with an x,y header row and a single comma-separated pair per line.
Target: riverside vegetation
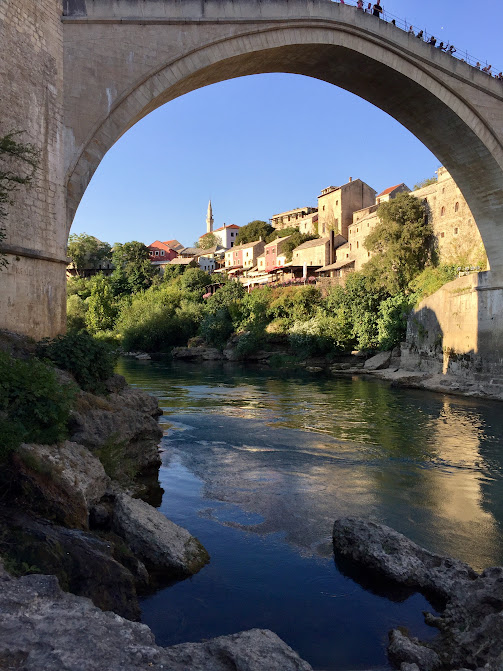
x,y
140,310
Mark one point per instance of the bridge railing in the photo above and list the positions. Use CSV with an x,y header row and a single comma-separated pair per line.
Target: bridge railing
x,y
406,26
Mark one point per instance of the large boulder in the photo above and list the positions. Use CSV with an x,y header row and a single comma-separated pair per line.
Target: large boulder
x,y
42,627
378,362
61,481
197,352
383,550
470,622
84,564
127,417
165,547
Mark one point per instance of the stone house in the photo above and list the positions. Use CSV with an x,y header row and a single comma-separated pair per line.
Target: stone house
x,y
313,253
337,204
457,237
291,217
391,192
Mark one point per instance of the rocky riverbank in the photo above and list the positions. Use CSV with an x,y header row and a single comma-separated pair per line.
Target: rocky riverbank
x,y
388,366
470,605
43,627
71,512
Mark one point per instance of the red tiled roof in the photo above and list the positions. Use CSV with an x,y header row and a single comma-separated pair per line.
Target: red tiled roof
x,y
224,227
386,191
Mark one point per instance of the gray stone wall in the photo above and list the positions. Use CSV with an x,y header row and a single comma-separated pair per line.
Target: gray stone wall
x,y
33,292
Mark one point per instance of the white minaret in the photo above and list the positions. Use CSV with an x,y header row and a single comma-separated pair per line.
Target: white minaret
x,y
209,219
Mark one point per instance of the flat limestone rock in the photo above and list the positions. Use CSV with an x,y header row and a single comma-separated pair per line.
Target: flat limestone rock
x,y
379,361
42,627
162,545
389,553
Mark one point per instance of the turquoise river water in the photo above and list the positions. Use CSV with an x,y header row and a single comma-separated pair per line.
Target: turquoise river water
x,y
257,464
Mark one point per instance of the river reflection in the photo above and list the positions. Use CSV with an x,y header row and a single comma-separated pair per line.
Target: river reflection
x,y
257,457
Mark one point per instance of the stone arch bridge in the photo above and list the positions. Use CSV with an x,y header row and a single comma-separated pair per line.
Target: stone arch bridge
x,y
77,76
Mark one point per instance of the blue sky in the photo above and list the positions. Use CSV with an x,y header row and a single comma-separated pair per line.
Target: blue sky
x,y
263,144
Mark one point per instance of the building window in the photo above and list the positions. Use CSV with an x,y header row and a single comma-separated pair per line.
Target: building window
x,y
157,252
442,211
350,247
357,230
336,202
456,231
323,208
456,207
442,235
162,252
357,245
368,254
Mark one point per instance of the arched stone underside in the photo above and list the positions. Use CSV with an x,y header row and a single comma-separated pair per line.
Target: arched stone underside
x,y
456,111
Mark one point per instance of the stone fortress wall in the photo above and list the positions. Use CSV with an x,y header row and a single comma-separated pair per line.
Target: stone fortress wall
x,y
33,292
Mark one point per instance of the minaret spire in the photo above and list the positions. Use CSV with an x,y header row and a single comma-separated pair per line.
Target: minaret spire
x,y
209,219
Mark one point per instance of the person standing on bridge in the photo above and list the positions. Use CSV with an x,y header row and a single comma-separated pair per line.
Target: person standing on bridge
x,y
420,34
369,8
359,5
377,9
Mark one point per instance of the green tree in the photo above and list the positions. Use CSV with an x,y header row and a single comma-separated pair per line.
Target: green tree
x,y
18,163
86,251
194,279
282,233
402,243
207,241
101,306
425,182
133,269
254,231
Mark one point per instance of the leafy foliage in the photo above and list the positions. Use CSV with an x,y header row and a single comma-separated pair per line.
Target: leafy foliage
x,y
401,243
133,270
86,251
160,318
254,231
34,406
90,361
425,182
431,280
101,305
207,241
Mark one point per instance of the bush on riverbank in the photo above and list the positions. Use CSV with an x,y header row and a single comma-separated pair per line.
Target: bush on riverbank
x,y
90,361
34,406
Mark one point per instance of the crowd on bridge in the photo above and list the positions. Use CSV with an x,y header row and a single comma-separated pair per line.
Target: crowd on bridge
x,y
377,10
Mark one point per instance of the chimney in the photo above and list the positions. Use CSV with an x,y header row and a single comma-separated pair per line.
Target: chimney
x,y
350,179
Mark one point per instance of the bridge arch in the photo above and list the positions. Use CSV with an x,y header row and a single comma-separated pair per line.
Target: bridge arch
x,y
449,106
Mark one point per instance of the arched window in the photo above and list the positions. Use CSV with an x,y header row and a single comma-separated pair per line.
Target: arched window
x,y
456,207
442,211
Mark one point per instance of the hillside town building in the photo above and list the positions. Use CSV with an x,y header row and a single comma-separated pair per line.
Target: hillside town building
x,y
274,253
291,217
337,204
243,257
